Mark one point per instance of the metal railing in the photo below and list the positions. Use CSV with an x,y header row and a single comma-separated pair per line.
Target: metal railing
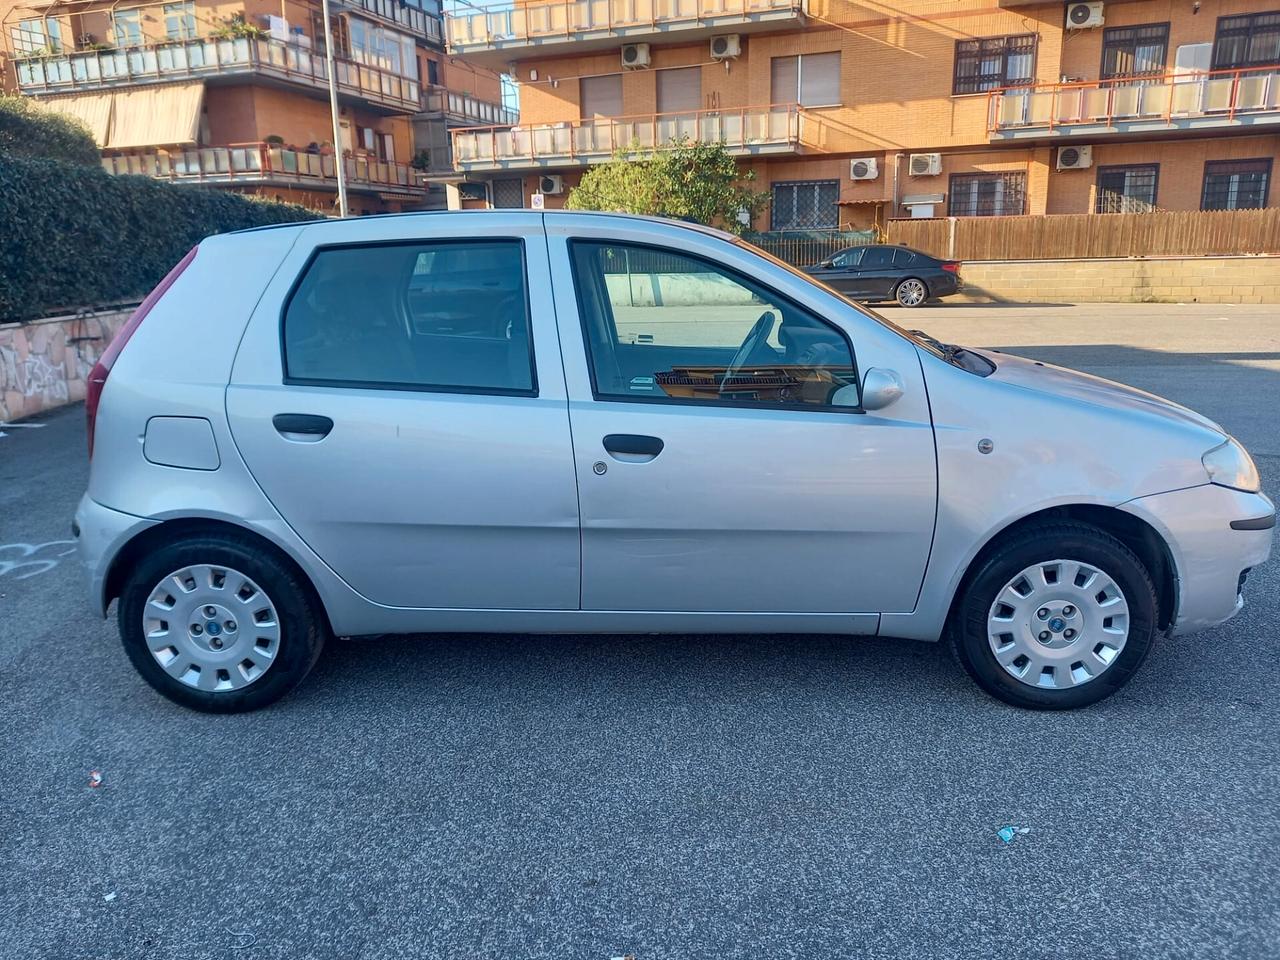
x,y
534,21
413,19
469,109
1218,94
263,163
744,130
155,63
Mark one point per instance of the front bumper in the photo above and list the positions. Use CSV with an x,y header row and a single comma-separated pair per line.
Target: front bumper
x,y
100,534
1209,553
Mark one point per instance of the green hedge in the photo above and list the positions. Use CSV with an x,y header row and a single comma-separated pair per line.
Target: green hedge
x,y
74,236
27,130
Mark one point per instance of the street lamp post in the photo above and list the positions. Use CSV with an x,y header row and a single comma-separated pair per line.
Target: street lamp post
x,y
339,162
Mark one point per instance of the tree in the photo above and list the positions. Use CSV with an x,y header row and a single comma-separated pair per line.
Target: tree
x,y
686,180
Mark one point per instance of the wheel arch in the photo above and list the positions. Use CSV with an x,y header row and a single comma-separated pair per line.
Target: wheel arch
x,y
1134,532
169,531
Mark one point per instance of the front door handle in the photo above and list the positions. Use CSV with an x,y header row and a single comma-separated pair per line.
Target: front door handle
x,y
632,448
306,427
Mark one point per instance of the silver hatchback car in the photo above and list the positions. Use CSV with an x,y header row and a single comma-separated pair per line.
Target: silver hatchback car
x,y
583,423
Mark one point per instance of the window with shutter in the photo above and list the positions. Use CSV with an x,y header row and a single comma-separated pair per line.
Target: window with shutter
x,y
601,96
680,91
809,79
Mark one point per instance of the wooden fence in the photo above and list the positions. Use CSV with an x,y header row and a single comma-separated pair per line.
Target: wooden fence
x,y
1084,235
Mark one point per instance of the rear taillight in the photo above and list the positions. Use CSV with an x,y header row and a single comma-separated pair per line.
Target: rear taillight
x,y
951,266
102,369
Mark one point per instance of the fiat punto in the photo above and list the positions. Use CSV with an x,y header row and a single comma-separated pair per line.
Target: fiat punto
x,y
580,423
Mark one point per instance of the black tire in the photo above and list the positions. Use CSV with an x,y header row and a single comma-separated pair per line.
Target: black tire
x,y
303,626
1067,540
898,293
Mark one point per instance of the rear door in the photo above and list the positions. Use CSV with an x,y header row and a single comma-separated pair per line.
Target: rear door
x,y
877,274
399,397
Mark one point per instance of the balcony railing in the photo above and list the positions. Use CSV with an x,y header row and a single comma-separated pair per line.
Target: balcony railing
x,y
418,22
263,163
750,130
163,63
537,22
462,109
1185,100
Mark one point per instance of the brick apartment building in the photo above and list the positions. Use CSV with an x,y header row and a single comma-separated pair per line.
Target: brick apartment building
x,y
234,93
853,111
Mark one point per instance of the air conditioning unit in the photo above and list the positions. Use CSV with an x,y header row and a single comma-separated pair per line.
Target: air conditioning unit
x,y
1075,158
925,164
551,185
864,168
726,46
635,56
1082,16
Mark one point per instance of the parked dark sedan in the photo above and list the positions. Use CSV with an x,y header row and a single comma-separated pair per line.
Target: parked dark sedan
x,y
882,272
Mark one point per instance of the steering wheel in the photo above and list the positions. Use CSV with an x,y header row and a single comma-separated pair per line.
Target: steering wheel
x,y
757,335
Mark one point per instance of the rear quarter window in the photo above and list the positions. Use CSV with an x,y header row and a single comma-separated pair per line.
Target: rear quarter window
x,y
442,315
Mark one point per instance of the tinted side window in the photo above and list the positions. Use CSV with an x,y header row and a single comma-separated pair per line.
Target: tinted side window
x,y
877,258
904,258
847,259
664,326
446,315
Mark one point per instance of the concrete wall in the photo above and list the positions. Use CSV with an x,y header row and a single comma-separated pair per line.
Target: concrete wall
x,y
1167,280
45,364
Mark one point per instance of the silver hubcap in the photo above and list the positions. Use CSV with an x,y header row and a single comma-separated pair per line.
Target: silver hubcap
x,y
1058,624
910,292
211,628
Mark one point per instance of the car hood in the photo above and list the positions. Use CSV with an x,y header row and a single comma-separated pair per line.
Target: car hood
x,y
1086,388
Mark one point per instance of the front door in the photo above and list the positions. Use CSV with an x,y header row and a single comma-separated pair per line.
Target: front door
x,y
401,421
841,272
724,464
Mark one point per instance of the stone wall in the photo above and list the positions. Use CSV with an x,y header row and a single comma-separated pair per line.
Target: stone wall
x,y
1131,280
45,363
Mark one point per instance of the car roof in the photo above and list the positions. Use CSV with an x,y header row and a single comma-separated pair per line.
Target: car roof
x,y
506,214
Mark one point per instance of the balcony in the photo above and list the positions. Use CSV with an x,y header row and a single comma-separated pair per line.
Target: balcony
x,y
262,164
750,131
544,28
421,24
1174,102
464,110
271,60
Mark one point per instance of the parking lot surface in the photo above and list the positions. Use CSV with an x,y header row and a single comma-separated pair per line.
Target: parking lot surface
x,y
570,797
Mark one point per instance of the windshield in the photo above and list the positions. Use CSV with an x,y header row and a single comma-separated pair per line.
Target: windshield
x,y
943,351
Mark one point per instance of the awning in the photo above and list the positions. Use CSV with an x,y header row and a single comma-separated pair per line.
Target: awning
x,y
91,109
156,116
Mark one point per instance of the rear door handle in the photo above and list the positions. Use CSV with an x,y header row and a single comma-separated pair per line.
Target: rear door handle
x,y
631,447
307,427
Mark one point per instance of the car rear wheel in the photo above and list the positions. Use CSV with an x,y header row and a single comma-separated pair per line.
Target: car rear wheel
x,y
911,292
1059,616
217,624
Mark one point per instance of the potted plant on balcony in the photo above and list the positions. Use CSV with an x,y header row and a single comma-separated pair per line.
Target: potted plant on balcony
x,y
421,160
235,27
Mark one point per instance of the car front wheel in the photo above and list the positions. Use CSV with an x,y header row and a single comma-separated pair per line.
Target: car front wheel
x,y
218,624
911,292
1059,616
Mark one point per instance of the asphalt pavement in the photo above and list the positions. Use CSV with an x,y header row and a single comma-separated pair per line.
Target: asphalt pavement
x,y
584,797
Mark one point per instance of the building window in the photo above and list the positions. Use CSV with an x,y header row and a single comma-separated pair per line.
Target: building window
x,y
1247,41
987,195
600,96
433,73
508,194
679,91
1135,51
994,62
805,205
376,46
180,20
1127,189
1236,184
36,36
127,27
808,79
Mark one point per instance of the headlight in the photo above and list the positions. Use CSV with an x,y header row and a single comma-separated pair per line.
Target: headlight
x,y
1229,465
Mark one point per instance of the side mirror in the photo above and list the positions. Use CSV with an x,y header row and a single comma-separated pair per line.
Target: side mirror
x,y
880,388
